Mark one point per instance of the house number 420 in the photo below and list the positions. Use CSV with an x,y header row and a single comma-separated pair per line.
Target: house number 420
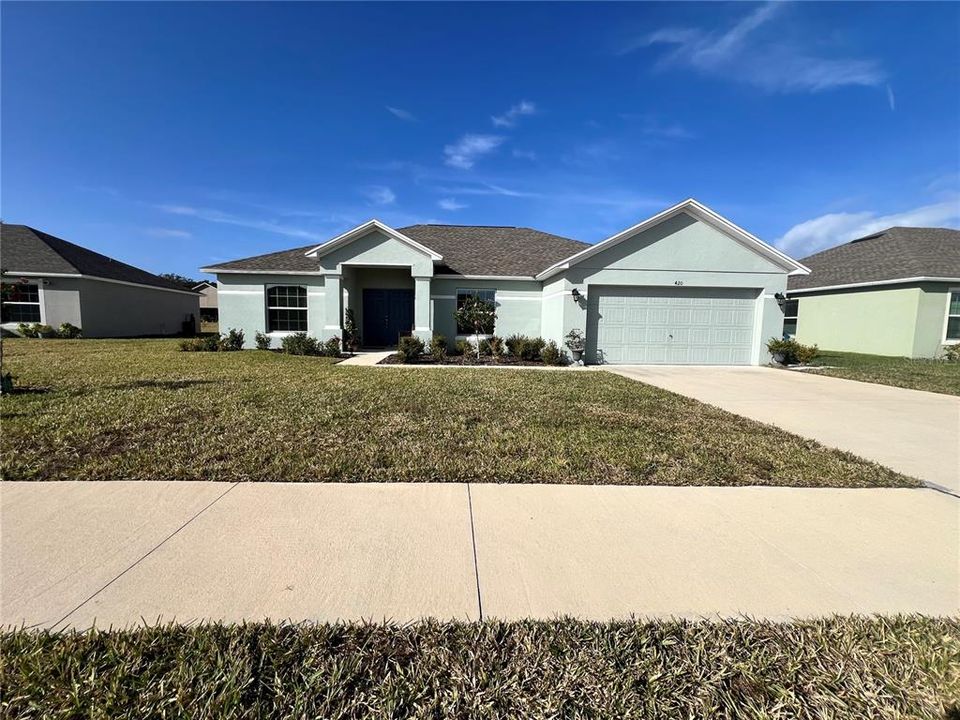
x,y
678,282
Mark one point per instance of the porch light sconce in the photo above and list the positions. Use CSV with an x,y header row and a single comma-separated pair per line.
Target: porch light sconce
x,y
781,299
576,295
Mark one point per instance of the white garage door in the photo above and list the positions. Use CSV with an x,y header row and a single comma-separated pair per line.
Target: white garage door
x,y
682,326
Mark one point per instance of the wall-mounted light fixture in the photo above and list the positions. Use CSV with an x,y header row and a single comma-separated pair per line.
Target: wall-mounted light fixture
x,y
576,295
780,298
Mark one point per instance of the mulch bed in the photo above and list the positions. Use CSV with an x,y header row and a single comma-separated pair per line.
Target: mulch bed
x,y
465,360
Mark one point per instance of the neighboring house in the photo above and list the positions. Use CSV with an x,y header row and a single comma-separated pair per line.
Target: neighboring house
x,y
58,282
896,292
684,286
208,300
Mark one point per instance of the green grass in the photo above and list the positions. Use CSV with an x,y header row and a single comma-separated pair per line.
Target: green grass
x,y
853,667
142,410
933,375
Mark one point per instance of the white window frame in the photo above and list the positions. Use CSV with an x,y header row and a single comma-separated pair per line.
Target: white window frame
x,y
43,314
467,291
795,318
268,307
947,316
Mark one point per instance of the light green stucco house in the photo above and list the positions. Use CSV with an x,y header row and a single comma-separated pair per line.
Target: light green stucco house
x,y
685,286
896,292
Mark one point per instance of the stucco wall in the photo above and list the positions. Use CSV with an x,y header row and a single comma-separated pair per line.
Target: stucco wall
x,y
114,310
880,321
518,306
928,339
243,304
376,248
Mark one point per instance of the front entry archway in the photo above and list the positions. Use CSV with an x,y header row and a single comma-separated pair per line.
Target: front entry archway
x,y
387,314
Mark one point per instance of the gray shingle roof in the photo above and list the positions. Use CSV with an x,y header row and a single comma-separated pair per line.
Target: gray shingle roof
x,y
466,250
898,252
24,249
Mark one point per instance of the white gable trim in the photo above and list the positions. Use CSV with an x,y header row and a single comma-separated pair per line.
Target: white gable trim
x,y
699,211
361,230
13,273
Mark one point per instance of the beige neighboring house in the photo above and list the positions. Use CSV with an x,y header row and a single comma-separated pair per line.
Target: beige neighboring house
x,y
208,300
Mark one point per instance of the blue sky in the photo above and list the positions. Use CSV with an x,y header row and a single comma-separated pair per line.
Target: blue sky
x,y
178,135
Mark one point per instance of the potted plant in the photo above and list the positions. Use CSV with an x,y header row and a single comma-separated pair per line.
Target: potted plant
x,y
576,342
778,348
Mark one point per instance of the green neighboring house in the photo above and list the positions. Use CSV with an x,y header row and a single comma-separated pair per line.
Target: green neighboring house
x,y
685,286
896,292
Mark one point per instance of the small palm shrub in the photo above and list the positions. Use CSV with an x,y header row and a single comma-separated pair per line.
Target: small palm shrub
x,y
552,354
793,353
300,344
262,340
68,331
351,333
438,348
492,347
410,348
463,347
525,348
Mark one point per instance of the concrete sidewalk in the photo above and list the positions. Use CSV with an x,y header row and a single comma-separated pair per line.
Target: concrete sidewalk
x,y
914,432
115,553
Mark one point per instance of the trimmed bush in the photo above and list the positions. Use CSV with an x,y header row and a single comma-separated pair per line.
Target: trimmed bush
x,y
204,343
262,340
300,344
492,346
793,352
438,348
525,348
330,347
68,331
26,330
232,341
463,347
410,348
952,353
552,354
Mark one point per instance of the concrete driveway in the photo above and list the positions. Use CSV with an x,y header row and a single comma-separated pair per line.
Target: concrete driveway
x,y
117,553
914,432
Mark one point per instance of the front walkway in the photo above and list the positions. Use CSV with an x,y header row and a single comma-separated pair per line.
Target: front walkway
x,y
75,553
912,431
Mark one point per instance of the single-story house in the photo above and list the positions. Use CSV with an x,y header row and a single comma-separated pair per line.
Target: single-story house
x,y
55,282
685,286
208,300
895,292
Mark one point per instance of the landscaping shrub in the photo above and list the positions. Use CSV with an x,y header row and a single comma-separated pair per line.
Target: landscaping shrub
x,y
554,355
330,347
525,348
351,333
952,353
26,330
463,347
438,348
232,341
410,348
793,352
492,347
68,331
262,340
300,344
204,343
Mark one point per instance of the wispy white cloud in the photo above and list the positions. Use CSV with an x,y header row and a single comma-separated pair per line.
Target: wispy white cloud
x,y
451,204
835,228
509,118
216,216
653,126
490,189
401,113
770,63
891,98
524,154
465,152
167,233
380,195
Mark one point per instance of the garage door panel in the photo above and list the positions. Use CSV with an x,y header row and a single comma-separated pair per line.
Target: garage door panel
x,y
655,325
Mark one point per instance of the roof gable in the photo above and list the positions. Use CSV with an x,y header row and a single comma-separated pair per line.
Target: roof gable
x,y
699,212
366,229
897,253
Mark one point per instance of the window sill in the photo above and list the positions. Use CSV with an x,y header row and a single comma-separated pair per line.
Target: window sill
x,y
285,333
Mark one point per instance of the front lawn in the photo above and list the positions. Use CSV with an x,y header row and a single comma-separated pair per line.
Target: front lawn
x,y
142,410
932,375
841,667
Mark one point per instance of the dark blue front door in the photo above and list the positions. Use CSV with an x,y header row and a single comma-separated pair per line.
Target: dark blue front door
x,y
386,315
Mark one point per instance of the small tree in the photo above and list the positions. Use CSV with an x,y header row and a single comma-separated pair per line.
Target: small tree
x,y
478,315
351,335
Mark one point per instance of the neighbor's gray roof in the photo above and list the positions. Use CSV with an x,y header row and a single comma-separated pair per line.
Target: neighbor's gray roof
x,y
895,253
466,250
26,250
